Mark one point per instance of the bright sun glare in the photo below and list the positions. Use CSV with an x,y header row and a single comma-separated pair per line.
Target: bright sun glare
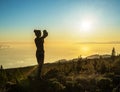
x,y
86,25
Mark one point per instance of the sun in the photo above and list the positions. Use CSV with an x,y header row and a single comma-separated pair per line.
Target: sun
x,y
86,25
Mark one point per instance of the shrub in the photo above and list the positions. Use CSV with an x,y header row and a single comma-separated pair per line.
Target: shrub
x,y
116,67
104,84
55,86
51,73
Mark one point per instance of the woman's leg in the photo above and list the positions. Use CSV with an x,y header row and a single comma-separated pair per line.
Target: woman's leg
x,y
40,60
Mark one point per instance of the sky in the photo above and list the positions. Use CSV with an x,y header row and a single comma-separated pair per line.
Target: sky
x,y
18,19
68,23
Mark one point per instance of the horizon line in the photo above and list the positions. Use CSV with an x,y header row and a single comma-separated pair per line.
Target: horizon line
x,y
27,42
110,42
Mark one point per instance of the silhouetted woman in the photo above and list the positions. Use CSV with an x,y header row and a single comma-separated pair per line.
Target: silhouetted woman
x,y
39,41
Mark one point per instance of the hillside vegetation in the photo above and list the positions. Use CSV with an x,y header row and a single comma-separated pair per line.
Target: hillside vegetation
x,y
76,75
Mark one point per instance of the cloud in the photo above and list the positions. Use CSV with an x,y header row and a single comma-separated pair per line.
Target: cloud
x,y
4,46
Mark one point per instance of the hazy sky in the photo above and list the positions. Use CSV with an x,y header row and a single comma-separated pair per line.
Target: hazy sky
x,y
62,19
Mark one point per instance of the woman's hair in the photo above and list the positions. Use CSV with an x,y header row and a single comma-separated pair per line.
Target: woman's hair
x,y
37,33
